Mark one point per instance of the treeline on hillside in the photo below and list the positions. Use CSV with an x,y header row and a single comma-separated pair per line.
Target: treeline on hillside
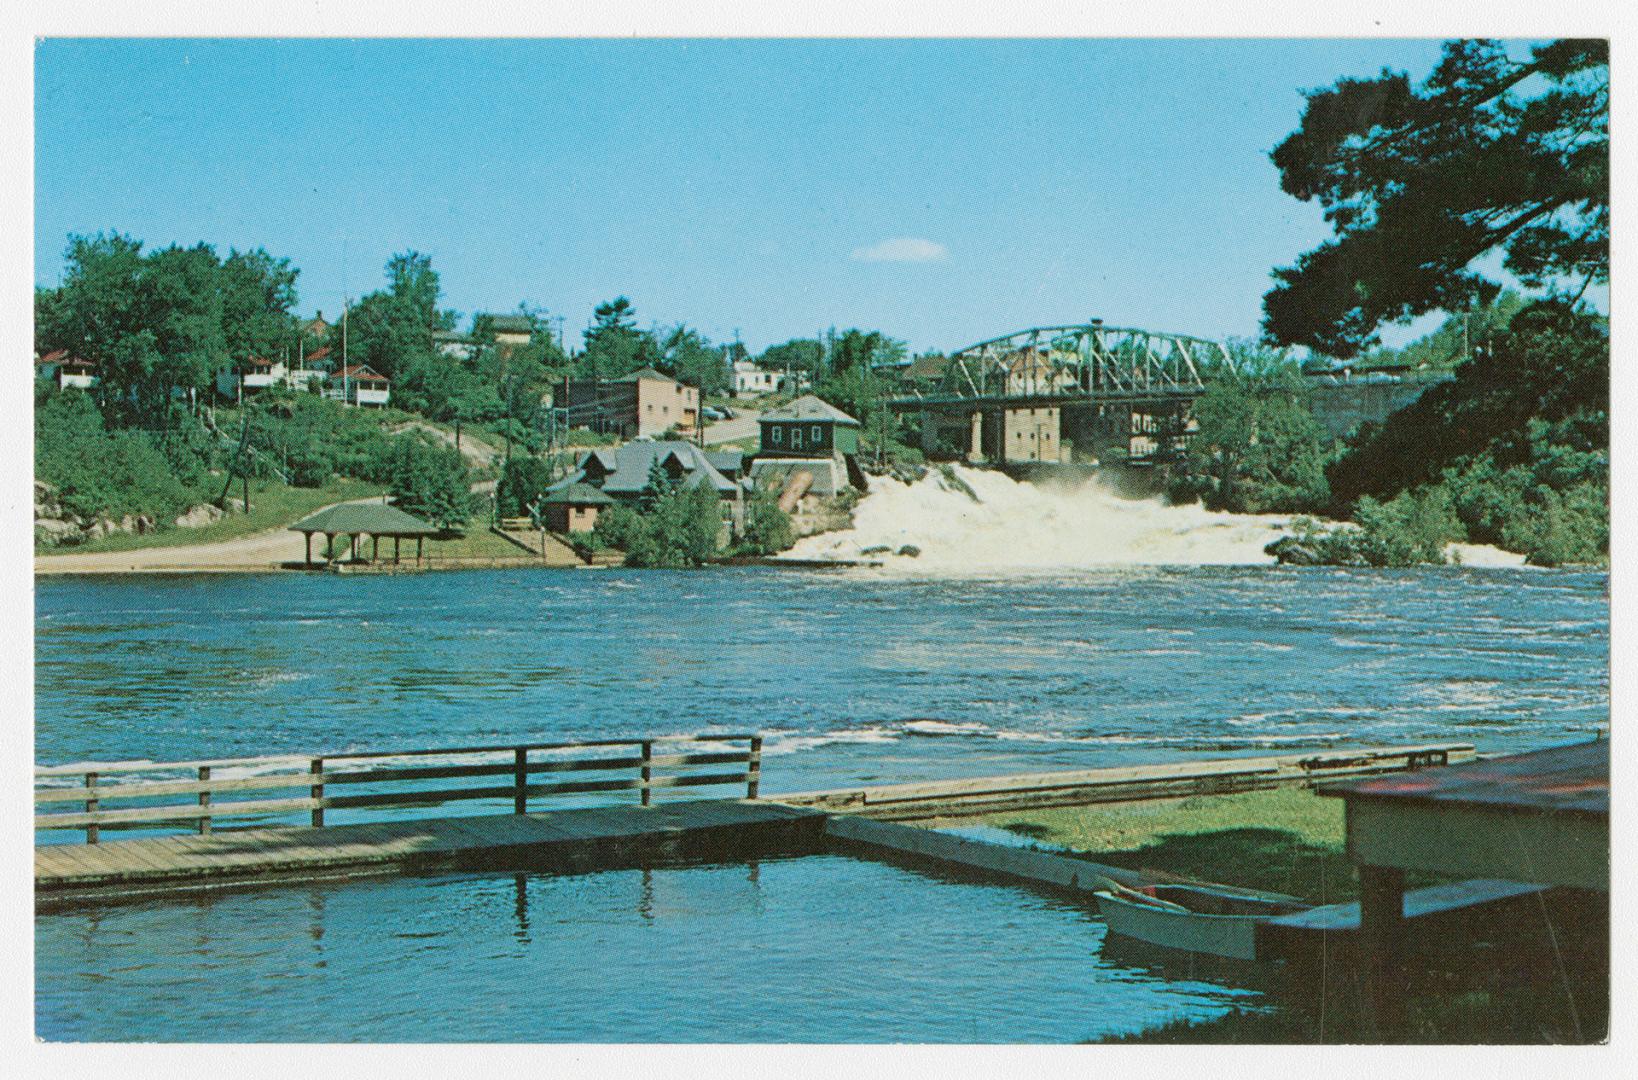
x,y
97,474
1517,445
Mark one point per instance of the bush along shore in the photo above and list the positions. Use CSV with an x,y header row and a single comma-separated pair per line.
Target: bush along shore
x,y
1513,451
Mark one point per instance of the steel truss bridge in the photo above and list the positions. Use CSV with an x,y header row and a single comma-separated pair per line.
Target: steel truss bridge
x,y
1064,365
1099,387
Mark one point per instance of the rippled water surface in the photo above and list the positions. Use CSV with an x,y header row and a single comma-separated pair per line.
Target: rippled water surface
x,y
855,677
823,948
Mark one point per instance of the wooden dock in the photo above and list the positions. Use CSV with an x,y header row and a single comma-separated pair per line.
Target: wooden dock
x,y
977,796
263,819
559,840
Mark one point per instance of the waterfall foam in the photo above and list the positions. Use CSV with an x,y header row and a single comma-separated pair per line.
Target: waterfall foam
x,y
1008,525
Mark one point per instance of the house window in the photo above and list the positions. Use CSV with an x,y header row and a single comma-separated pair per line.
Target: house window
x,y
796,438
818,434
778,435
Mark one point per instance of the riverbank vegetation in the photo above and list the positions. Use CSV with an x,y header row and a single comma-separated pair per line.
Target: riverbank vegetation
x,y
1491,154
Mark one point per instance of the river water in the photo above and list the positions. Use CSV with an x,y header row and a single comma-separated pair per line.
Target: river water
x,y
929,668
855,676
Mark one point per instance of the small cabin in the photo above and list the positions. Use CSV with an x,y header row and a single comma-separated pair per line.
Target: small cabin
x,y
574,508
808,427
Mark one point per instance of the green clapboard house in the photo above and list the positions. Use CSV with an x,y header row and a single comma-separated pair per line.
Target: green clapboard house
x,y
808,428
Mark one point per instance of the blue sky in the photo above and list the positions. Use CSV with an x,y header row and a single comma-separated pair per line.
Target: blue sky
x,y
941,191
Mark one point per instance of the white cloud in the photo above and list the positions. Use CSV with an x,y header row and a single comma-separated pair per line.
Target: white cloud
x,y
902,249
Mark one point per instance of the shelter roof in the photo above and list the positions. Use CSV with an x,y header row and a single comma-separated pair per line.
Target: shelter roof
x,y
646,373
377,519
578,494
1573,778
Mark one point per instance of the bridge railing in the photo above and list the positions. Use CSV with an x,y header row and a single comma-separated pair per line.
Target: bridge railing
x,y
194,794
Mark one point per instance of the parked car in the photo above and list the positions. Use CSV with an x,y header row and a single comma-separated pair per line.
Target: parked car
x,y
711,412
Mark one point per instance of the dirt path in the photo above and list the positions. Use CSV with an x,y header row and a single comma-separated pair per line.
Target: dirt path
x,y
258,551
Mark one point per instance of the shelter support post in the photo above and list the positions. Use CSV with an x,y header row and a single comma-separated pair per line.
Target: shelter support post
x,y
395,542
1381,932
307,541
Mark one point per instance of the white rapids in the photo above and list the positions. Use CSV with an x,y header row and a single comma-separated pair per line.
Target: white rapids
x,y
1021,526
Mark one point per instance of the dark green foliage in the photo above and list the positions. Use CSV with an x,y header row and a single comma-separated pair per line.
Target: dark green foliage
x,y
767,527
614,345
798,354
1518,430
618,526
165,321
101,473
430,481
1410,530
691,358
680,531
522,482
312,439
1258,448
1418,183
659,485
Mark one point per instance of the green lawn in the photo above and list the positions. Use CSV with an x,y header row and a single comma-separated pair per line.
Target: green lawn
x,y
477,542
1288,839
272,505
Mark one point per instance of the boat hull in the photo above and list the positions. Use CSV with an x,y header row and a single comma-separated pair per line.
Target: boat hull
x,y
1230,932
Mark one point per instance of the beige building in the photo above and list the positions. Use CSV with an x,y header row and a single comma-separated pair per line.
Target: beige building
x,y
1030,434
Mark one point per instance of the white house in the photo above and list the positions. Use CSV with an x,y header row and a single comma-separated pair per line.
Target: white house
x,y
258,374
359,384
66,370
750,379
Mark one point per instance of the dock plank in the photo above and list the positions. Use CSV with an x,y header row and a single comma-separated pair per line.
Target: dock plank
x,y
271,852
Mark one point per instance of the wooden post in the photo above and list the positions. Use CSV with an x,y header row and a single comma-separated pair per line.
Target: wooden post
x,y
753,768
395,542
90,807
375,551
307,539
648,769
418,540
317,791
520,777
204,799
1381,934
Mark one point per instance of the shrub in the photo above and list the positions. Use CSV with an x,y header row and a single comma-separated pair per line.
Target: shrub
x,y
430,481
522,481
767,527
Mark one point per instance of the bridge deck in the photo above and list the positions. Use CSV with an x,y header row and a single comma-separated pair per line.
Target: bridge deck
x,y
561,839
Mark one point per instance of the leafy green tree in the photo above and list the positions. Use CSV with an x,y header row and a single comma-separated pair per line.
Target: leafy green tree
x,y
767,527
1418,183
1257,447
391,330
614,345
682,530
430,480
798,354
689,357
97,473
522,482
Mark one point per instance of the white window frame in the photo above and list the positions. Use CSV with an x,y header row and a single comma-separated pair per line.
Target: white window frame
x,y
778,434
818,434
796,437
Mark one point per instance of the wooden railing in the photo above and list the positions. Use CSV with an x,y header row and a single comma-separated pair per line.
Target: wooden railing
x,y
391,783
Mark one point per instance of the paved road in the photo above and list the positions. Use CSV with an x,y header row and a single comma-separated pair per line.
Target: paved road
x,y
742,426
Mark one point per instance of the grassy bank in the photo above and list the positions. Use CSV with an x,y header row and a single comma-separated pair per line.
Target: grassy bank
x,y
1288,840
475,542
272,505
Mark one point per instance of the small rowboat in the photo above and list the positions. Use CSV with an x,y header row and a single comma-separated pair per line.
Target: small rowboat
x,y
1217,920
